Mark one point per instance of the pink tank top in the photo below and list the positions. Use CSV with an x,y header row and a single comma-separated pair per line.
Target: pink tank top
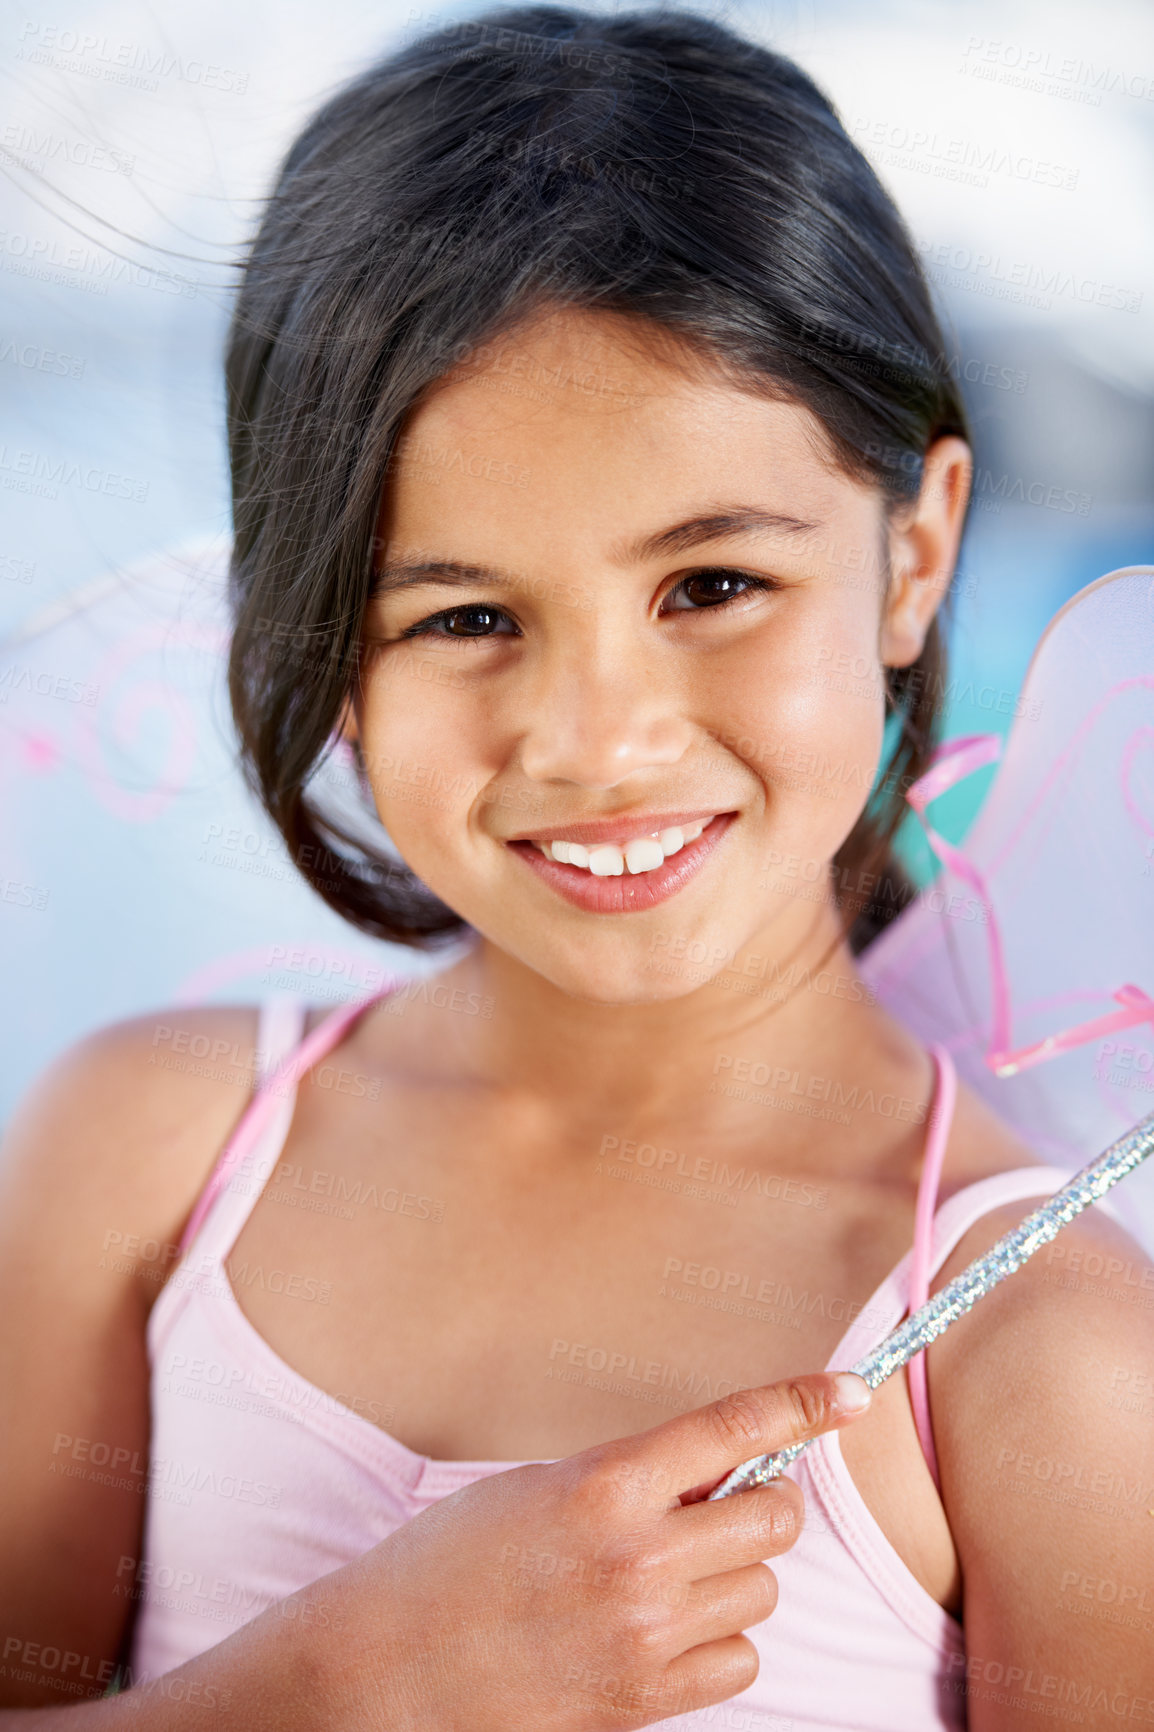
x,y
261,1482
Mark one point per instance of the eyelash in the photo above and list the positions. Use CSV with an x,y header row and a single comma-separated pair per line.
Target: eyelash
x,y
424,627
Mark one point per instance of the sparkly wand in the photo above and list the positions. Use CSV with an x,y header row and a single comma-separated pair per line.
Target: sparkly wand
x,y
965,1289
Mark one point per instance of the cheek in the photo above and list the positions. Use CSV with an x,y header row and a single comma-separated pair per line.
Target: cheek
x,y
811,728
428,748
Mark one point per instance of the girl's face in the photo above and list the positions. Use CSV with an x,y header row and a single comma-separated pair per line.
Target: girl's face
x,y
620,597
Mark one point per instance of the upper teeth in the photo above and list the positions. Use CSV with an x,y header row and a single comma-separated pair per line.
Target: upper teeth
x,y
641,854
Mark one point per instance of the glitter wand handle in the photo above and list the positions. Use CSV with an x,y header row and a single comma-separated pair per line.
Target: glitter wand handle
x,y
966,1289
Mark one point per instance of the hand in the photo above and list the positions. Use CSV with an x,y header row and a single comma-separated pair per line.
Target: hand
x,y
598,1592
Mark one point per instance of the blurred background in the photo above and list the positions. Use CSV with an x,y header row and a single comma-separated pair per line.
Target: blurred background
x,y
136,143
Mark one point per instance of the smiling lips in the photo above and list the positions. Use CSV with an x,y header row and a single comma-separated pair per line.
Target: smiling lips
x,y
639,854
603,874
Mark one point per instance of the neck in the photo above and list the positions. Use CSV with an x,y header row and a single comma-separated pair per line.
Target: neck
x,y
789,1003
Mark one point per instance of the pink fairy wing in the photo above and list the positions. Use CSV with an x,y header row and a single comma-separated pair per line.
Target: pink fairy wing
x,y
136,868
1058,867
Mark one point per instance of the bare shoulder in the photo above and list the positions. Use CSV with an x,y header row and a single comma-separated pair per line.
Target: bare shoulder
x,y
129,1119
1043,1404
1069,1315
1091,1286
1041,1350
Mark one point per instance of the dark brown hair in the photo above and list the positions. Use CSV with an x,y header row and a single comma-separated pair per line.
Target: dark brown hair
x,y
652,164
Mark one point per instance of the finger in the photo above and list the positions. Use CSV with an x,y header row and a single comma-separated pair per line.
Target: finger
x,y
712,1672
711,1441
725,1604
706,1538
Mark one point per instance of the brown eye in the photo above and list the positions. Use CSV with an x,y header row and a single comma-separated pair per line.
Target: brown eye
x,y
470,621
476,621
711,588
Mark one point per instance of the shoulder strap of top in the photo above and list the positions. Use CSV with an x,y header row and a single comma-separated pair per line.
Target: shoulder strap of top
x,y
279,1030
936,1233
247,1158
937,1136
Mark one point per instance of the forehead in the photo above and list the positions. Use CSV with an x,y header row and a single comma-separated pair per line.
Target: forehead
x,y
581,414
599,353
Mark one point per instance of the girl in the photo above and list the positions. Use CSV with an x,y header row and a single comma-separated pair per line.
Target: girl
x,y
598,476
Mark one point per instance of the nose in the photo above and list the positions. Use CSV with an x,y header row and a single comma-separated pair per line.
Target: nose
x,y
598,713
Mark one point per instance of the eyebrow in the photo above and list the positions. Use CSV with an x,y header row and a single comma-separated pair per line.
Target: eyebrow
x,y
712,525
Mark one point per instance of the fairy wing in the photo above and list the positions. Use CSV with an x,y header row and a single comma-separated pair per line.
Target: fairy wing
x,y
1058,873
135,866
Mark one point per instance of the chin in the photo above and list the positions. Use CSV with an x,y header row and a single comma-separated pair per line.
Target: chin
x,y
645,977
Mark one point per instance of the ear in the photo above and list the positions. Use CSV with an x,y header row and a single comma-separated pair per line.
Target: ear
x,y
923,549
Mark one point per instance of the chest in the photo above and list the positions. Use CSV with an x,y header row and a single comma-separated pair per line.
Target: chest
x,y
491,1299
500,1295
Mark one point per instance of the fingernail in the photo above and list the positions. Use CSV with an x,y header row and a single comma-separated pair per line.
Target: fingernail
x,y
851,1392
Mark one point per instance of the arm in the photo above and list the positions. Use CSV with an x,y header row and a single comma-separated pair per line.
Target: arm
x,y
98,1171
1045,1434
